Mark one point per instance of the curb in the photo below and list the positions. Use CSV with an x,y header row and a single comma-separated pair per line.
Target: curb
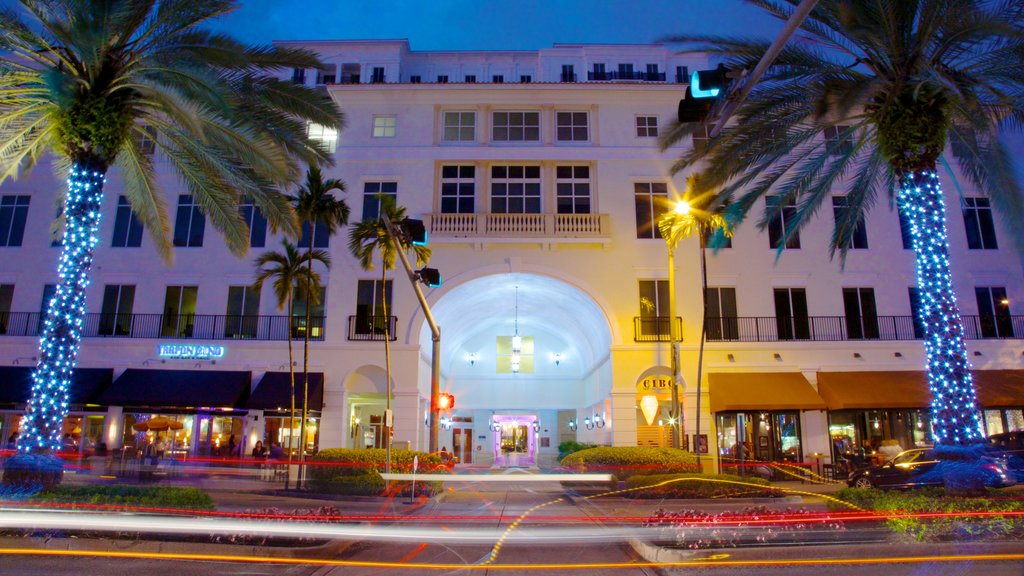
x,y
333,547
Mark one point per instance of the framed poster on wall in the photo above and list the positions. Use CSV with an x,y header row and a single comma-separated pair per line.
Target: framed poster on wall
x,y
700,443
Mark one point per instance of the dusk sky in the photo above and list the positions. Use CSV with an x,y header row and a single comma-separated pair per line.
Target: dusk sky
x,y
493,24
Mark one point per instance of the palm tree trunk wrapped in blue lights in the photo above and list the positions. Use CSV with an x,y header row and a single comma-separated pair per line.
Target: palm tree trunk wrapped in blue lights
x,y
62,327
954,402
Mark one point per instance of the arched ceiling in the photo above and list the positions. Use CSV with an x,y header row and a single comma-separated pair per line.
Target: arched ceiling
x,y
561,318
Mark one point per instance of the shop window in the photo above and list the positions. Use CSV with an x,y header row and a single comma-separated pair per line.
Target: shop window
x,y
993,421
651,201
791,318
1014,420
994,312
861,314
116,311
722,322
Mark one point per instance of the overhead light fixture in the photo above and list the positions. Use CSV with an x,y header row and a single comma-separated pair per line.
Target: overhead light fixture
x,y
472,357
649,405
517,340
557,357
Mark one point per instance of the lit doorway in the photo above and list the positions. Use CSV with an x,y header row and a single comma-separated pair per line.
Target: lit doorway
x,y
462,445
515,441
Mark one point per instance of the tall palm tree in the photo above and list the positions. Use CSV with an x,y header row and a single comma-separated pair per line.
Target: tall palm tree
x,y
689,218
90,80
292,279
895,83
316,207
368,239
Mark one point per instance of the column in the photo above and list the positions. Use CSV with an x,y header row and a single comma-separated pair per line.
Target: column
x,y
623,418
409,428
113,426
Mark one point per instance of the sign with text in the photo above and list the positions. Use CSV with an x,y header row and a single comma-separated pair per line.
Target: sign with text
x,y
190,351
656,384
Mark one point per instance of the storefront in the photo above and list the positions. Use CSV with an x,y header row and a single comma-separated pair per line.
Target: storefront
x,y
654,411
1001,394
273,397
760,418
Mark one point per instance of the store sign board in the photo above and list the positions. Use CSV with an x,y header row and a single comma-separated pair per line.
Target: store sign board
x,y
655,384
190,351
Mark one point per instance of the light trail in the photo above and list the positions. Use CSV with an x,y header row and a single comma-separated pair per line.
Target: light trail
x,y
498,478
719,560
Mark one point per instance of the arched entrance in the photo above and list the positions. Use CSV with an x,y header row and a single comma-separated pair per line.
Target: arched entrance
x,y
365,392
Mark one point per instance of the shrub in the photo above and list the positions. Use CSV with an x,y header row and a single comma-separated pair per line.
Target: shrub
x,y
944,528
626,461
357,472
572,446
697,486
179,497
754,526
33,471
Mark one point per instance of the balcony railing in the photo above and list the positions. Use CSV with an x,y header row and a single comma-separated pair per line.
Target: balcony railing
x,y
840,328
372,327
498,226
173,326
655,329
617,75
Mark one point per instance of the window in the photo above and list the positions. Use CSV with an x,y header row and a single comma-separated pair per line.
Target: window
x,y
57,233
116,312
459,126
190,223
458,189
321,235
326,138
415,79
717,240
516,127
384,126
327,74
13,213
651,199
6,296
515,189
442,79
49,292
298,75
572,189
625,71
179,311
981,231
470,78
791,319
525,79
654,318
316,316
682,74
779,223
994,312
906,233
256,222
861,314
916,311
837,138
370,317
372,192
351,73
701,137
127,228
498,79
243,312
572,126
568,73
722,322
859,241
652,73
147,140
646,126
377,76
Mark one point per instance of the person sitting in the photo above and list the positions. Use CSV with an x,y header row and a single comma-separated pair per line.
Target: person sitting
x,y
276,452
258,451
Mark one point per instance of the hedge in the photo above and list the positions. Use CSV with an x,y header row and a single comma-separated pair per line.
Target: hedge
x,y
571,447
129,496
699,486
357,472
627,461
945,528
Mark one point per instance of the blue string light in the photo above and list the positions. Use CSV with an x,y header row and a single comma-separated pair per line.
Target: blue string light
x,y
65,314
954,407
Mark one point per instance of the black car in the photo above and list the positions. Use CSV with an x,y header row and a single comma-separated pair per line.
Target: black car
x,y
1009,446
910,469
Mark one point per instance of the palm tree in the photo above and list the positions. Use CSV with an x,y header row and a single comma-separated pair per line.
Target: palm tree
x,y
316,207
92,81
291,279
367,239
687,219
894,84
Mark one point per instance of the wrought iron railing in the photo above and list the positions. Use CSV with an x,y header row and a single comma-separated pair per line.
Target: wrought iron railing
x,y
623,75
176,326
655,329
839,328
372,327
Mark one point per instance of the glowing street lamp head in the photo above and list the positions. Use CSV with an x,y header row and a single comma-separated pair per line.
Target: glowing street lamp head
x,y
682,207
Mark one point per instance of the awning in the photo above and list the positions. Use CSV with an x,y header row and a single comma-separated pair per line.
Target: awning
x,y
179,389
999,388
874,390
762,391
272,393
86,384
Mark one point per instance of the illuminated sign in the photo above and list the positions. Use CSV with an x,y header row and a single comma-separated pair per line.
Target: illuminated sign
x,y
191,351
655,384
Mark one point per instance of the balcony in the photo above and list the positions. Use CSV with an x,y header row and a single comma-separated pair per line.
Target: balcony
x,y
623,75
363,328
178,327
839,328
518,227
655,329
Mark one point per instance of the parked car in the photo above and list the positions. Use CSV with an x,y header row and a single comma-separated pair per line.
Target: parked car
x,y
910,469
1009,446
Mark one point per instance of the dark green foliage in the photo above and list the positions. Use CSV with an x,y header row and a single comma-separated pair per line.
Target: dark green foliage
x,y
571,446
94,125
178,497
698,486
626,461
912,131
357,472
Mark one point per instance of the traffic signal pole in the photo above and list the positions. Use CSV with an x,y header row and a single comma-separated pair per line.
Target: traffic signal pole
x,y
435,334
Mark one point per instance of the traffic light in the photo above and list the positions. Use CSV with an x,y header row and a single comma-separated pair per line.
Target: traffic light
x,y
414,230
705,89
429,276
445,401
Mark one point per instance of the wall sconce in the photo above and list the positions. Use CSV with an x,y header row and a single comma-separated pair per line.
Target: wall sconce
x,y
557,357
572,424
978,353
599,420
536,426
588,423
446,423
778,356
472,357
29,358
730,357
495,427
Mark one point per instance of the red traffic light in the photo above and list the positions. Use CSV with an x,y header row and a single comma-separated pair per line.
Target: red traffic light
x,y
445,401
